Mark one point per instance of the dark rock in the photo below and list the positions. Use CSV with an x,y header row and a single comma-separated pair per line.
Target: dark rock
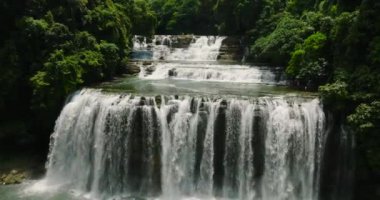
x,y
223,104
142,101
132,68
172,72
231,40
182,41
150,69
203,108
147,63
14,177
158,100
232,49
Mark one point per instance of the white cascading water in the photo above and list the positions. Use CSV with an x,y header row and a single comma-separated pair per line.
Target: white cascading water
x,y
139,43
210,72
115,145
125,146
204,48
188,63
201,48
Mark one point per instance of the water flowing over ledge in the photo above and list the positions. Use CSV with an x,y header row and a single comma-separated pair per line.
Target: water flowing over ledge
x,y
211,72
195,58
230,132
166,47
108,145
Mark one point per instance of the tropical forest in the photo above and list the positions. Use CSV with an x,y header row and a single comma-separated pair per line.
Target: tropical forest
x,y
189,99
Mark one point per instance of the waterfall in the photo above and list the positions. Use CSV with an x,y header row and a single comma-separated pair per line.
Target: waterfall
x,y
107,145
199,48
210,72
217,143
204,48
196,61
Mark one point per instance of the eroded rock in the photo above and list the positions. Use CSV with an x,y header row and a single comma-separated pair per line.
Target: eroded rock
x,y
172,72
132,68
13,177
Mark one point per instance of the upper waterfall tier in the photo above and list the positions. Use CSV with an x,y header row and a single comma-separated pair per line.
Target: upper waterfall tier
x,y
190,48
197,58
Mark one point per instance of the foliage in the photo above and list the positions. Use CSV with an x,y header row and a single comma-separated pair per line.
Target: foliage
x,y
206,16
366,117
319,21
342,26
278,45
355,56
307,62
365,121
51,48
236,16
335,94
143,18
298,6
9,73
48,49
177,17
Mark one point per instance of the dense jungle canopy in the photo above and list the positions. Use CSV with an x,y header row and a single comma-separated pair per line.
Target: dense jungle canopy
x,y
51,48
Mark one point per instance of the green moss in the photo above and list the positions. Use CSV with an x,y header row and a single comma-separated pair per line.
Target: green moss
x,y
13,177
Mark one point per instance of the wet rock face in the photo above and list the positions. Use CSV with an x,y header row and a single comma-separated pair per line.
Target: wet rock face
x,y
232,49
176,41
182,41
13,177
150,69
133,68
172,72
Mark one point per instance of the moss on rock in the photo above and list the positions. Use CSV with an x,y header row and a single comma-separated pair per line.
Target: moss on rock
x,y
13,177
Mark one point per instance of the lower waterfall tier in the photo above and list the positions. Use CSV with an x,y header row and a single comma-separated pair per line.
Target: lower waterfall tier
x,y
107,145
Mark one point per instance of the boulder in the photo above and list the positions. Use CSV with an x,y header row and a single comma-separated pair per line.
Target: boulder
x,y
172,72
232,49
13,177
132,68
150,69
182,41
158,100
145,63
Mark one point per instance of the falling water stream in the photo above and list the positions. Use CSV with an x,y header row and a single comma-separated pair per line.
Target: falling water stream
x,y
234,144
114,144
196,61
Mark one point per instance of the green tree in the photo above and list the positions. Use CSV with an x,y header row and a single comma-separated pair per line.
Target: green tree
x,y
277,46
308,62
49,49
236,17
143,18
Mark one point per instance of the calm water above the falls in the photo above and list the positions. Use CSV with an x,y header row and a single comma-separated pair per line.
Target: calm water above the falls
x,y
188,126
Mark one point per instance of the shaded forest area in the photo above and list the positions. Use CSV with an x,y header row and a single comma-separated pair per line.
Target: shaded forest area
x,y
50,48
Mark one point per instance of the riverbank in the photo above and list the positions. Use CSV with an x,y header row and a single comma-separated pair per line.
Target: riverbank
x,y
18,165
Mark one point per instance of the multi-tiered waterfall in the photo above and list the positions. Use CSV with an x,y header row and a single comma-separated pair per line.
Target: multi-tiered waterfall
x,y
117,145
196,60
